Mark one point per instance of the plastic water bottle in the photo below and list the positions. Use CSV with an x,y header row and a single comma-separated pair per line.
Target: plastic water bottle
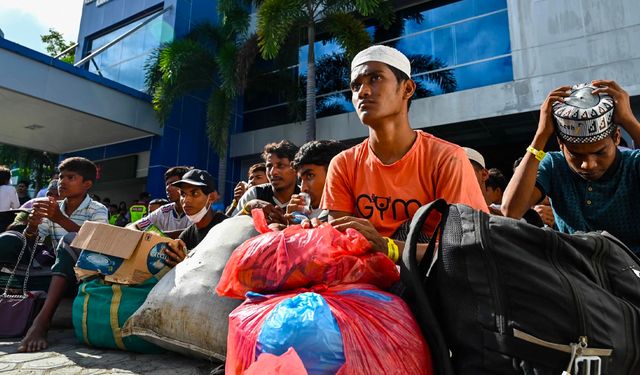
x,y
298,216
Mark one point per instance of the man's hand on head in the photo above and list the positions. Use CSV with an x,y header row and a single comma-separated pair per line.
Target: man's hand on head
x,y
378,243
545,124
623,114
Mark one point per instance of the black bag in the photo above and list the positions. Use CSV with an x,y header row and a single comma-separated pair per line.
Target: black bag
x,y
506,297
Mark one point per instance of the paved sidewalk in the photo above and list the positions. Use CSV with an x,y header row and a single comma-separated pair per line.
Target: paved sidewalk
x,y
66,356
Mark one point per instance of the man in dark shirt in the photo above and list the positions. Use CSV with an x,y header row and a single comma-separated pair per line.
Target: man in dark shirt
x,y
198,191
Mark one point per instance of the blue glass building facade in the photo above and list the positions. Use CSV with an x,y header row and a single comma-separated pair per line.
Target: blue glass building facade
x,y
457,46
466,42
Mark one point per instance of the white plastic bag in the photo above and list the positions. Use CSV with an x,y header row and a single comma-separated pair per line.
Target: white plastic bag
x,y
183,313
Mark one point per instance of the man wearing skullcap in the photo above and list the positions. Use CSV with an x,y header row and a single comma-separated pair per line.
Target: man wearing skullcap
x,y
592,185
376,187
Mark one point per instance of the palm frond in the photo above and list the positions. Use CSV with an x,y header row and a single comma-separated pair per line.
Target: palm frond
x,y
349,32
247,53
276,19
176,69
444,78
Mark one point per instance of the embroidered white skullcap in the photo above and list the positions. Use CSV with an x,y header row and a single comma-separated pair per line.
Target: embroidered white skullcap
x,y
474,155
584,117
383,54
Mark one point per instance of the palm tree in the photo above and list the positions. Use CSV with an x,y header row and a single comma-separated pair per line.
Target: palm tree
x,y
277,19
213,59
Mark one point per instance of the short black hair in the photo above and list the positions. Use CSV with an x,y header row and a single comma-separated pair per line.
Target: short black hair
x,y
400,77
159,201
496,179
258,167
282,149
82,166
318,153
5,175
26,182
178,171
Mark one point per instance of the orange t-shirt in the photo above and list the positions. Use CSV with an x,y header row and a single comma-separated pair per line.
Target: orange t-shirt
x,y
388,195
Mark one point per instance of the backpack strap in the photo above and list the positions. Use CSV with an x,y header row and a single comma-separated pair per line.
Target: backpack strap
x,y
413,275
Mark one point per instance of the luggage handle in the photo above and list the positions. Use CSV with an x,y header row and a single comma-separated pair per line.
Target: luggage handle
x,y
412,278
419,218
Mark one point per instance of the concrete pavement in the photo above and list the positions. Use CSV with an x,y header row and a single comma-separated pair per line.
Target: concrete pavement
x,y
66,356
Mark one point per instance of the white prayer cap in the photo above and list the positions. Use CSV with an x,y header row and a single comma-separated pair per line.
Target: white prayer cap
x,y
383,54
584,117
474,155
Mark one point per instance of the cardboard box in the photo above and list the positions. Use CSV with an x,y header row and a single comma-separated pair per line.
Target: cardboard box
x,y
122,255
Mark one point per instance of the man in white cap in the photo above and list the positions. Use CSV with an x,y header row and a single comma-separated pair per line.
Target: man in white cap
x,y
376,187
592,185
481,172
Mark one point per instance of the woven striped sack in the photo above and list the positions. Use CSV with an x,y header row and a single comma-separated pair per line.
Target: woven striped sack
x,y
101,309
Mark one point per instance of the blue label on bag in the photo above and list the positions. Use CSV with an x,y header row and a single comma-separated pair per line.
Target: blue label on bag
x,y
92,261
156,258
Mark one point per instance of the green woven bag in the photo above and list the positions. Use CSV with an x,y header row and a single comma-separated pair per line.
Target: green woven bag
x,y
100,310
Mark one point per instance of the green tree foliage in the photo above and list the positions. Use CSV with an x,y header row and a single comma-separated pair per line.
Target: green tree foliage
x,y
278,19
210,61
56,44
36,166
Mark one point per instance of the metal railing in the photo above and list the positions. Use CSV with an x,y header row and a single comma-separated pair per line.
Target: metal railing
x,y
119,38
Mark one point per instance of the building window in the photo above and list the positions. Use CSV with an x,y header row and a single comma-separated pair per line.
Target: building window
x,y
124,61
454,47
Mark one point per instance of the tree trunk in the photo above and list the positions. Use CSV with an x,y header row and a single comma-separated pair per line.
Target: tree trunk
x,y
222,174
310,126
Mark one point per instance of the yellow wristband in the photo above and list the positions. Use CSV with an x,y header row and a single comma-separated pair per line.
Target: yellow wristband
x,y
244,211
392,250
539,154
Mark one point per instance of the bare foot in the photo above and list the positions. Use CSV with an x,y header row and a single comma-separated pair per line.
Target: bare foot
x,y
35,339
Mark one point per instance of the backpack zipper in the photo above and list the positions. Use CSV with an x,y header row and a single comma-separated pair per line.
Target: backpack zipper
x,y
482,221
596,263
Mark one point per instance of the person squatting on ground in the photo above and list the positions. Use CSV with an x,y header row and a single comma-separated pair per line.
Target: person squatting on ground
x,y
61,220
590,182
376,187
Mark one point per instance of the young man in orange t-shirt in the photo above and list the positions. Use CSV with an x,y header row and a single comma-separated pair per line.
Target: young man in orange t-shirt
x,y
376,187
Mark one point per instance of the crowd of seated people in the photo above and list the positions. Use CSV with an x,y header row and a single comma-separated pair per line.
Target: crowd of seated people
x,y
374,187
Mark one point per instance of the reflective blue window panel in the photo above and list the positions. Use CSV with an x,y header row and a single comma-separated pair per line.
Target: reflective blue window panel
x,y
482,38
484,73
124,61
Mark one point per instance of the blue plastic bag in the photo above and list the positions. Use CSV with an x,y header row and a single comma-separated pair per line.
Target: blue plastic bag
x,y
305,323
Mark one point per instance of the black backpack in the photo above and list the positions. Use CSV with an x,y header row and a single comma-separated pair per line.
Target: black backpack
x,y
505,297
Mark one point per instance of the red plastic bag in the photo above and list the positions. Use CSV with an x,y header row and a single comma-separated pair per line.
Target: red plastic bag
x,y
378,336
298,258
286,364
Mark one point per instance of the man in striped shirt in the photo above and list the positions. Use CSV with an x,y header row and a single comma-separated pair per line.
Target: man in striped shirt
x,y
61,220
169,218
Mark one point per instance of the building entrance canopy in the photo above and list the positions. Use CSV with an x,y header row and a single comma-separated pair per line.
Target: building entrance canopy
x,y
48,105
